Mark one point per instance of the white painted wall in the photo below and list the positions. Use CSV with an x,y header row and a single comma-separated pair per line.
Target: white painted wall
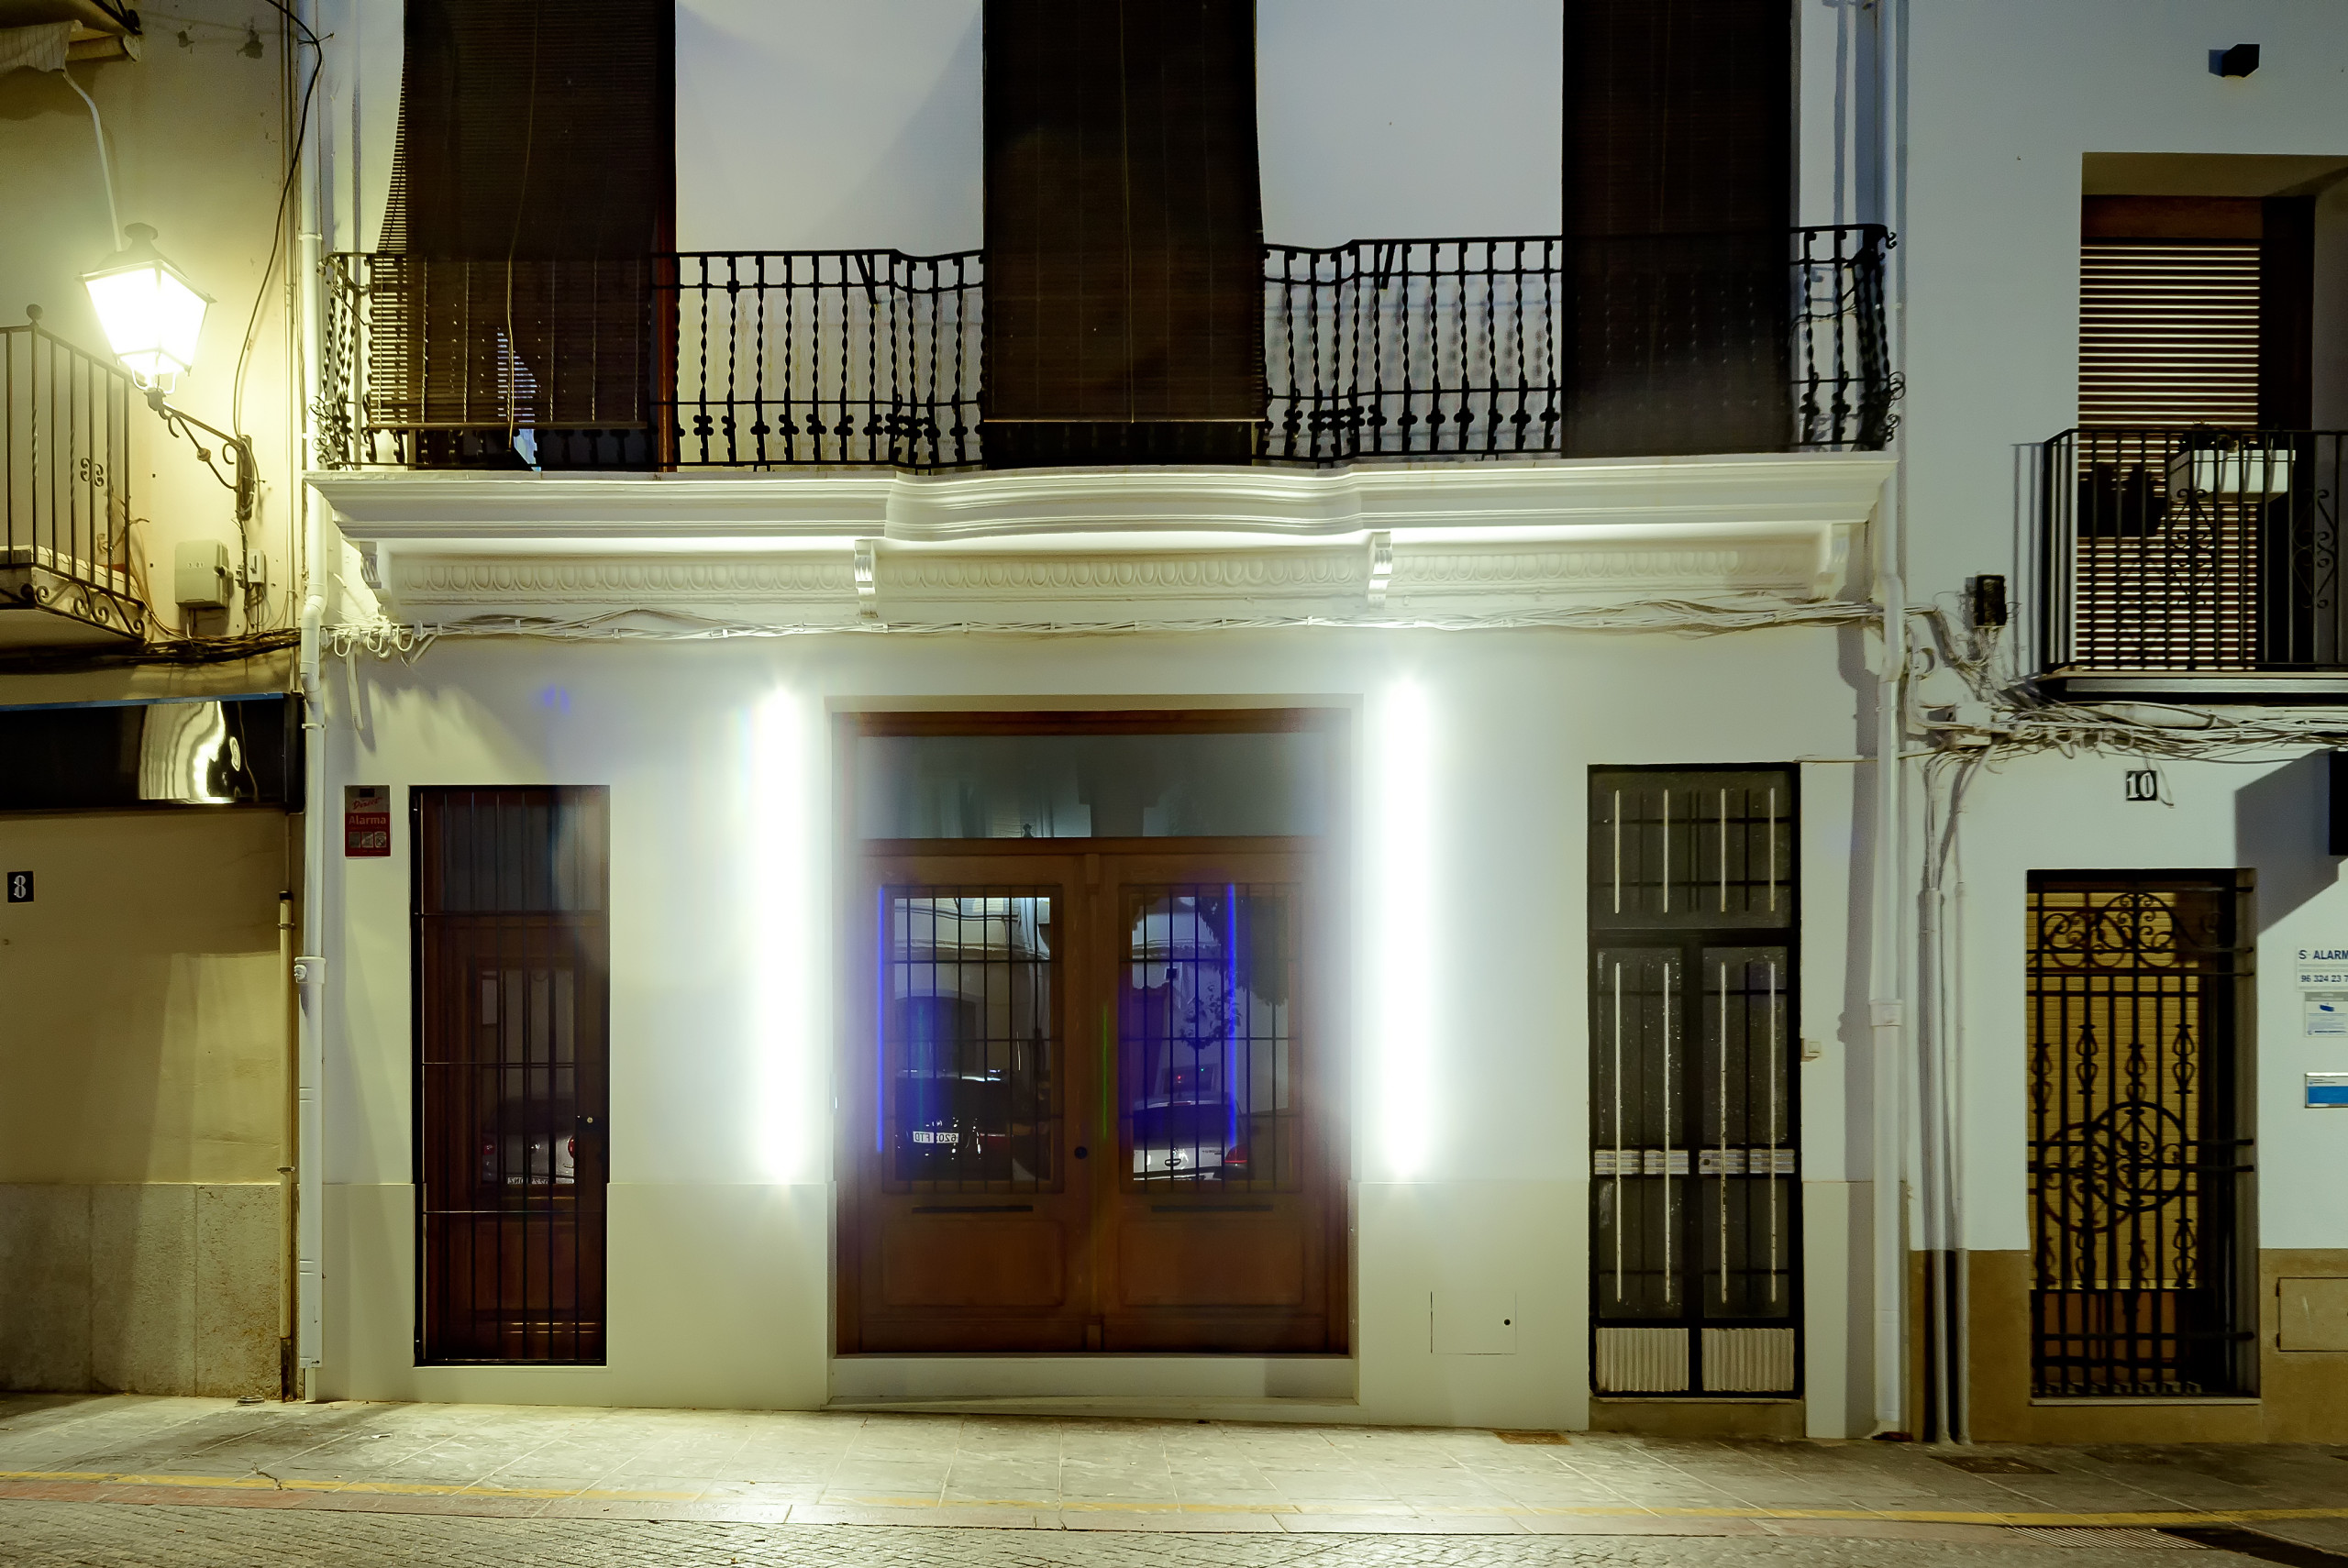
x,y
2053,813
1475,1179
1387,118
2005,97
806,124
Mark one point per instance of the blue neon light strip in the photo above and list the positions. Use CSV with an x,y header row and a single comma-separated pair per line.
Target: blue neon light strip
x,y
1231,1016
880,957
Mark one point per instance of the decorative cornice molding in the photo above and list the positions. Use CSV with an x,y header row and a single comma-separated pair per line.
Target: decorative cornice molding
x,y
930,584
464,579
1774,492
1085,547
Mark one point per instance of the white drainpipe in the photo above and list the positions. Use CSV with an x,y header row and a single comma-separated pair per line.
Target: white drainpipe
x,y
1886,1002
316,814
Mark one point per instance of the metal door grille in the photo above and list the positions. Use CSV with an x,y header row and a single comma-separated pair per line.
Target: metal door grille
x,y
512,1092
969,1098
2137,1164
1206,1038
1693,1137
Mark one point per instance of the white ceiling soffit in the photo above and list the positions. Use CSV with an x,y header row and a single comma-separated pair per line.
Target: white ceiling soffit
x,y
2208,173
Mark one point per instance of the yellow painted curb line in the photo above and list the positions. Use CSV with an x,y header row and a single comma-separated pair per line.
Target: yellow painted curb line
x,y
258,1482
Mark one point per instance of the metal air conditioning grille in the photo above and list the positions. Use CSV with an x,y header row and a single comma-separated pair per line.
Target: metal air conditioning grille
x,y
1642,1361
1748,1361
2168,332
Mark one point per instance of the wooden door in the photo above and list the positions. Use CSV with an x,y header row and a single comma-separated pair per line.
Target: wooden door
x,y
1089,1105
1218,1228
969,1219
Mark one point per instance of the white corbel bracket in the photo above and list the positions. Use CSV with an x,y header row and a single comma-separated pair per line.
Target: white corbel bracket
x,y
867,582
1381,567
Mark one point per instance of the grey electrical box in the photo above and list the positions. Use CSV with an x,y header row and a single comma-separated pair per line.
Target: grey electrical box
x,y
201,575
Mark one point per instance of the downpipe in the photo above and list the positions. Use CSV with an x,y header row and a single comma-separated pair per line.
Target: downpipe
x,y
1887,1003
309,965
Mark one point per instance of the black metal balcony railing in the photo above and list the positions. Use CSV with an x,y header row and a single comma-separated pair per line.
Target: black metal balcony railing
x,y
2184,551
459,364
65,452
824,357
1413,347
1393,348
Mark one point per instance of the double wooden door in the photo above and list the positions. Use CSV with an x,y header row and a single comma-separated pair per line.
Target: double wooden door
x,y
1090,1103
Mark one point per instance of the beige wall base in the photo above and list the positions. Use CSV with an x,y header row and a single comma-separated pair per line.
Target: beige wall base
x,y
158,1287
2302,1394
1698,1418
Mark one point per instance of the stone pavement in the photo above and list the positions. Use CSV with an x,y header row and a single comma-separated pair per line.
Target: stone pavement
x,y
282,1482
94,1535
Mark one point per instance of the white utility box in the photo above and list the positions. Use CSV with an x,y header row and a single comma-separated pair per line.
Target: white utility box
x,y
2249,473
201,576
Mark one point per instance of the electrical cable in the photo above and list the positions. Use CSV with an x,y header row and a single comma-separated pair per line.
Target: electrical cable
x,y
106,164
388,638
277,228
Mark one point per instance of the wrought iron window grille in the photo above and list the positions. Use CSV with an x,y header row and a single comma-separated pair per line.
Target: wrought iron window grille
x,y
2139,1157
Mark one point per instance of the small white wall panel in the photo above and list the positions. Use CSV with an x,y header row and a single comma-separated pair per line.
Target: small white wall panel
x,y
1473,1322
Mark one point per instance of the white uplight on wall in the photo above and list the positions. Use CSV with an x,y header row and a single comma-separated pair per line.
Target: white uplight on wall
x,y
151,314
1407,929
782,883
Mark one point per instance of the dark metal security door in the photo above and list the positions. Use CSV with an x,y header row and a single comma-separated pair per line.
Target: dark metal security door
x,y
512,1079
1696,1200
2138,1168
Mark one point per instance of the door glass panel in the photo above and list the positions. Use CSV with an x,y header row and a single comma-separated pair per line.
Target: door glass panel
x,y
1641,1166
1206,1036
1744,1158
968,1052
528,1025
1092,785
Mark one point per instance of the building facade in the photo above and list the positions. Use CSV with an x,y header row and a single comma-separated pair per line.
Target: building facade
x,y
958,747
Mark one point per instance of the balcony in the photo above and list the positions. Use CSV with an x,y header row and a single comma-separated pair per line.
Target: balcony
x,y
1480,348
2185,564
65,576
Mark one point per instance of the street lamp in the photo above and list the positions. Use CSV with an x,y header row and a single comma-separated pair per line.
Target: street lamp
x,y
152,314
153,318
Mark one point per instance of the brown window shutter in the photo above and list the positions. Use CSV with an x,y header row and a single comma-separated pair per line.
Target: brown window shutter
x,y
2169,311
532,182
1679,201
1124,230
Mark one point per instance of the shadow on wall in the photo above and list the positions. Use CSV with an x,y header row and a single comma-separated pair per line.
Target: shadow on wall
x,y
2279,828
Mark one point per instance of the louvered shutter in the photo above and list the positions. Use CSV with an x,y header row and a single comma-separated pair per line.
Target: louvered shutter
x,y
531,187
1678,190
1124,231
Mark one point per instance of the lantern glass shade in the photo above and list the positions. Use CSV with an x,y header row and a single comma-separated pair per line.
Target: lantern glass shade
x,y
152,315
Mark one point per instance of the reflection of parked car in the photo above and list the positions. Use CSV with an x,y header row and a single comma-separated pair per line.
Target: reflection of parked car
x,y
1186,1133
